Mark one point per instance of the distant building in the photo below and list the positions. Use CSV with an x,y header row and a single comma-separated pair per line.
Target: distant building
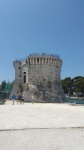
x,y
39,74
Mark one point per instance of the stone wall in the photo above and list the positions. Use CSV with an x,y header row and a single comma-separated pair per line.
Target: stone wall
x,y
43,72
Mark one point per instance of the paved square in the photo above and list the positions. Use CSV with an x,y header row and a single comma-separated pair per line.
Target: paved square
x,y
41,126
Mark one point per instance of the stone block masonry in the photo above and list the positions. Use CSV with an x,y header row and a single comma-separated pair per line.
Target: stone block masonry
x,y
40,75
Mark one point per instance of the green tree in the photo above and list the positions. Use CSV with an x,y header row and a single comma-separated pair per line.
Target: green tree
x,y
73,85
67,85
79,84
8,87
3,84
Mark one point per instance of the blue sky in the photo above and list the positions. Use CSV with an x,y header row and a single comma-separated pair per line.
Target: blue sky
x,y
42,26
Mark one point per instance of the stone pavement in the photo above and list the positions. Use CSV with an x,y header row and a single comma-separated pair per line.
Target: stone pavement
x,y
41,126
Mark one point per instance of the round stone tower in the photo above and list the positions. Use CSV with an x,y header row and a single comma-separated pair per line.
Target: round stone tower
x,y
40,74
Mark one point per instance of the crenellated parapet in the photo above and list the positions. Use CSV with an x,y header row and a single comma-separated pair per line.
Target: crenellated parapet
x,y
44,60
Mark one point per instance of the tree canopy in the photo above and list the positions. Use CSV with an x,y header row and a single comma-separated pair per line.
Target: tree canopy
x,y
6,86
73,85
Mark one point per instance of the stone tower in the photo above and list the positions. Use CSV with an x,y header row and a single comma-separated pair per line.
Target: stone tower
x,y
39,74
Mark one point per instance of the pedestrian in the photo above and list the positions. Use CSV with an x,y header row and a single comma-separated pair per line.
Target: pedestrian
x,y
22,98
13,99
32,98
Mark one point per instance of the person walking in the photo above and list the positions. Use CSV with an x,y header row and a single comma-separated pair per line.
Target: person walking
x,y
22,98
32,98
13,99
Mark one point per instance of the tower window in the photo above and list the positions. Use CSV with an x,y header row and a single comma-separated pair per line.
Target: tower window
x,y
24,77
37,59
